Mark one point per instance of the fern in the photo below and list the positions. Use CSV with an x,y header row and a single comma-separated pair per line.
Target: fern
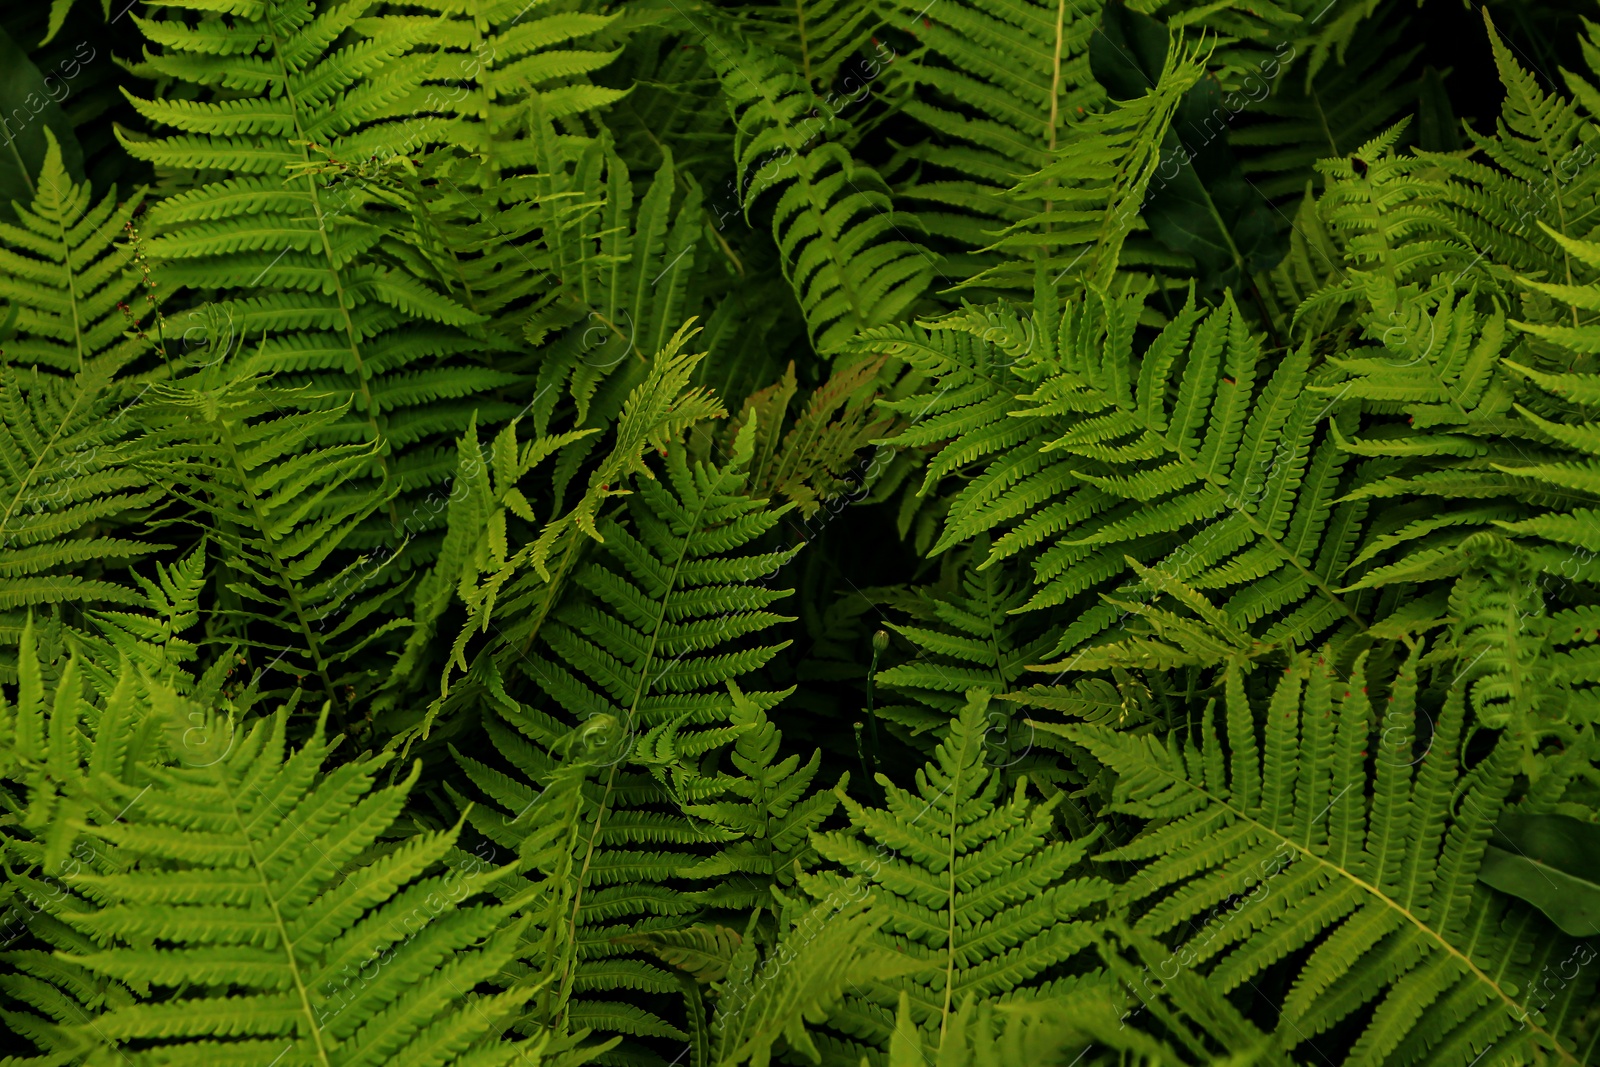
x,y
1400,238
1181,459
298,258
235,448
75,761
815,462
969,646
765,808
622,271
1461,396
827,947
1534,170
69,466
151,640
524,583
1083,204
1368,863
1331,114
819,37
490,65
1197,1023
1002,86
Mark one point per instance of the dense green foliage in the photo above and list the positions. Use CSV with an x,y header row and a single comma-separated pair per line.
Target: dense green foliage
x,y
841,532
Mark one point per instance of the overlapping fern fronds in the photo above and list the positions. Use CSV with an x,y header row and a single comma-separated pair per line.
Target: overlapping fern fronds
x,y
299,252
1092,637
644,649
1195,457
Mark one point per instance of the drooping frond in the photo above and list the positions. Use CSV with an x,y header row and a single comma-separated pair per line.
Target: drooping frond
x,y
847,251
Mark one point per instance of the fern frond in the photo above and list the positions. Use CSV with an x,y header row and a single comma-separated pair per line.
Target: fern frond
x,y
1085,201
972,888
815,463
280,506
1308,844
643,649
846,249
70,466
1536,168
73,287
254,873
969,646
1190,458
769,806
303,258
819,37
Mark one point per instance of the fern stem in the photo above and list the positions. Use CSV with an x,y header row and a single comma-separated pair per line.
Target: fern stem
x,y
880,641
805,44
1055,90
867,766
